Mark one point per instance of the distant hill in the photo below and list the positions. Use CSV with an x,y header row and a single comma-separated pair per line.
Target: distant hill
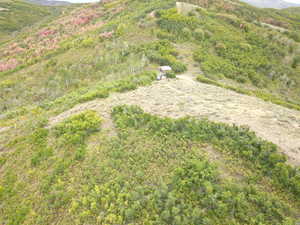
x,y
17,14
49,2
276,4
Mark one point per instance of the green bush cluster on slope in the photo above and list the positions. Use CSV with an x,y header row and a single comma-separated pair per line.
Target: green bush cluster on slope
x,y
230,47
180,25
193,196
163,53
71,136
50,161
39,144
76,128
240,141
152,172
134,178
245,56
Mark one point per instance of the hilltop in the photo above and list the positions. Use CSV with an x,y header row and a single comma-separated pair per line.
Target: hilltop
x,y
49,3
276,4
89,136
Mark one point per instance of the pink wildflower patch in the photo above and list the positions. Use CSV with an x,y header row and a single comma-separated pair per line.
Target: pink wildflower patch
x,y
46,33
8,65
107,35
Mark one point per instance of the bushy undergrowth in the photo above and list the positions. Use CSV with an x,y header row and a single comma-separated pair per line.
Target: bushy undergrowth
x,y
240,141
249,57
39,144
75,129
177,24
152,172
193,196
231,46
163,53
71,136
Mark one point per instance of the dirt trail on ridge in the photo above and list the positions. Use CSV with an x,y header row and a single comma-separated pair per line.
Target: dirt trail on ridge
x,y
185,97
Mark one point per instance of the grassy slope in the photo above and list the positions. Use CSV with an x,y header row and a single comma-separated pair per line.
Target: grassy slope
x,y
18,14
155,171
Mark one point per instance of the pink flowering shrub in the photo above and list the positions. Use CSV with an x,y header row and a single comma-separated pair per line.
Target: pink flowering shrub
x,y
8,65
107,35
82,20
84,17
48,39
46,33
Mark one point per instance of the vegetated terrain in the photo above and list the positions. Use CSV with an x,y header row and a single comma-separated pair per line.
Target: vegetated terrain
x,y
186,97
127,166
16,15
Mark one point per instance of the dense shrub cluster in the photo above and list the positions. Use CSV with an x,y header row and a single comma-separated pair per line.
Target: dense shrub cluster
x,y
180,25
193,196
75,129
42,151
163,53
240,141
249,59
191,193
231,46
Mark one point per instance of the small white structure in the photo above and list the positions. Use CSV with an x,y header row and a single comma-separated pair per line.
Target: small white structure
x,y
163,70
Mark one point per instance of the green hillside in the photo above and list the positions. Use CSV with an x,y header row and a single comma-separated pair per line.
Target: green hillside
x,y
128,166
17,14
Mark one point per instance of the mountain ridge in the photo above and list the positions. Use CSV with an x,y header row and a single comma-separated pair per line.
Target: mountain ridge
x,y
277,4
49,2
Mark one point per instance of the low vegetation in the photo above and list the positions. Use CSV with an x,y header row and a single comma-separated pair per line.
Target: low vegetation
x,y
150,170
238,49
154,171
18,14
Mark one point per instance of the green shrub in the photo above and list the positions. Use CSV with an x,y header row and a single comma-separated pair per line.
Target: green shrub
x,y
87,42
100,93
199,34
296,62
165,35
171,75
75,129
240,141
178,24
295,36
163,53
186,34
40,155
205,80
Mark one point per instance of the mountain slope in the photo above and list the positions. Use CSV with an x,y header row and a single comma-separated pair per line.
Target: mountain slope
x,y
49,3
72,153
17,14
276,4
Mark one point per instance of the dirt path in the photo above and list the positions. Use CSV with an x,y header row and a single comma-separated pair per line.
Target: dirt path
x,y
186,97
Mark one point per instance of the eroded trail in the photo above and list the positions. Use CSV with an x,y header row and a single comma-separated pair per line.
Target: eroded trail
x,y
186,97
